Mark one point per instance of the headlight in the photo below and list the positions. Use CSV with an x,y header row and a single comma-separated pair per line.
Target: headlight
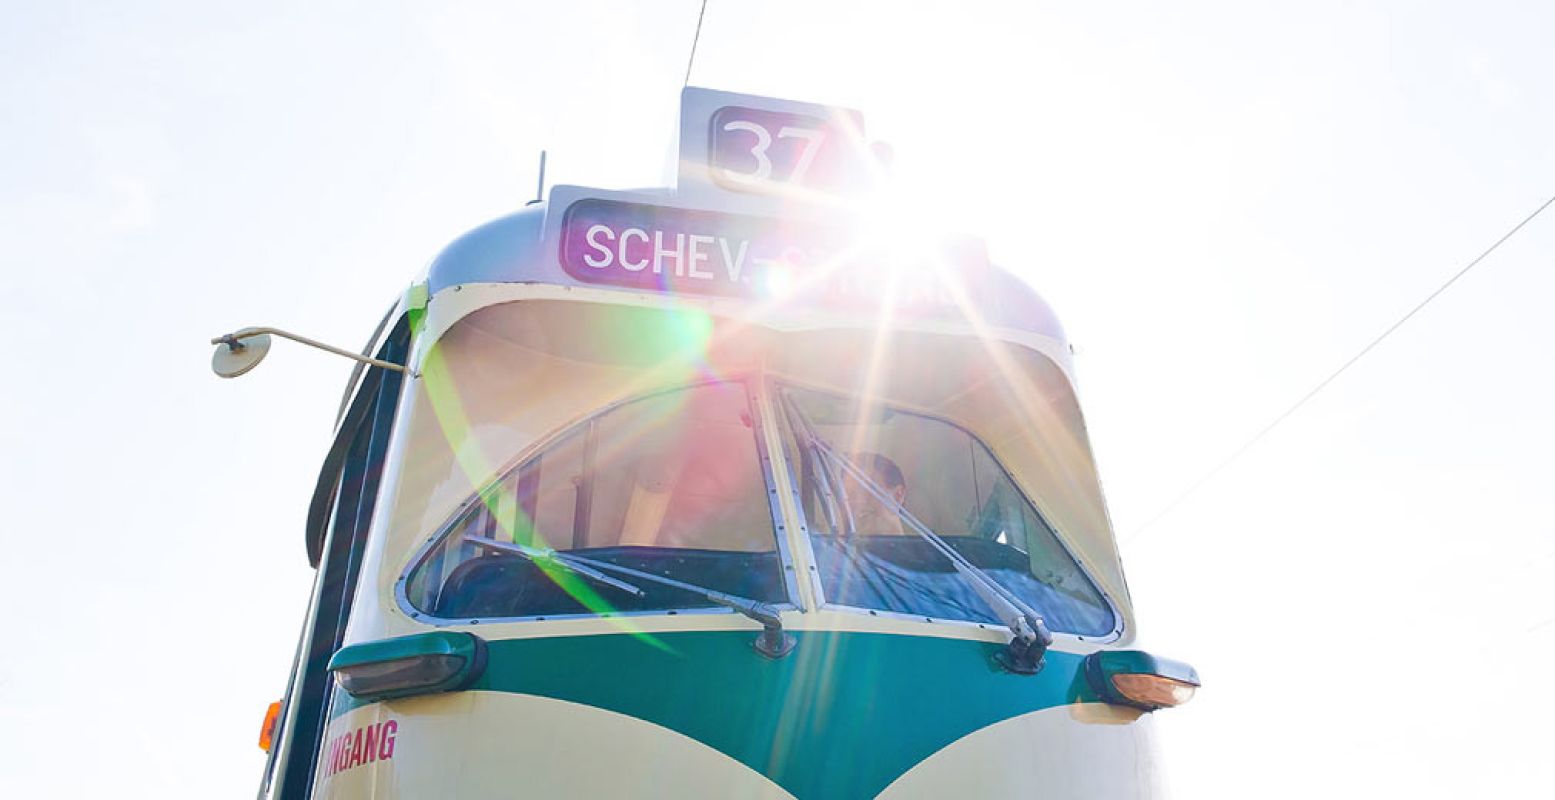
x,y
422,663
1138,679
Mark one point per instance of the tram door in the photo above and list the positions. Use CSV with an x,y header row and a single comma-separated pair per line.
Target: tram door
x,y
338,520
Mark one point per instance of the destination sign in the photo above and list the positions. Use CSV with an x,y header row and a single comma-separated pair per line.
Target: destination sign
x,y
670,250
754,150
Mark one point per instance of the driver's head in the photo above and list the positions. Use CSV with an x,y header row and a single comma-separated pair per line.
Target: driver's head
x,y
869,514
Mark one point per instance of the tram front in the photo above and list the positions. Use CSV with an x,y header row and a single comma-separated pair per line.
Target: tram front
x,y
689,494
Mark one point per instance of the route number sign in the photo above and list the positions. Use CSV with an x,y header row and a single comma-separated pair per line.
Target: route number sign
x,y
753,150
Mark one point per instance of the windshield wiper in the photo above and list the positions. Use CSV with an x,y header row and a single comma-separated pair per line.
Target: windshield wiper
x,y
830,487
825,480
772,642
544,556
1030,635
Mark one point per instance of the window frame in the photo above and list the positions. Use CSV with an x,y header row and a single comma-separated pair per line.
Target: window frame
x,y
749,384
775,388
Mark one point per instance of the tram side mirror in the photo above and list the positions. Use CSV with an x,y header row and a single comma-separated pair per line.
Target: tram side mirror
x,y
237,353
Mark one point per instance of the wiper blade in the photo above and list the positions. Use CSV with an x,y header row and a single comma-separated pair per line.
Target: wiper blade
x,y
773,641
1030,634
544,556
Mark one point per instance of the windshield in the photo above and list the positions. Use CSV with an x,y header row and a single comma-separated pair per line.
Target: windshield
x,y
867,557
670,485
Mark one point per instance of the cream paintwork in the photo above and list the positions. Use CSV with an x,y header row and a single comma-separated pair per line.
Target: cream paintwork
x,y
493,745
1078,752
467,745
453,304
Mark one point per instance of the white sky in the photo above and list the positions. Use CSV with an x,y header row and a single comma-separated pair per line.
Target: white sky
x,y
1222,199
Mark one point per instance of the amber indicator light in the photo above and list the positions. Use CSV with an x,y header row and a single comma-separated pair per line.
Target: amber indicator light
x,y
267,730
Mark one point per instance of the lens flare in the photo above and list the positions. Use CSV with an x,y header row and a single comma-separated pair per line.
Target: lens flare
x,y
443,394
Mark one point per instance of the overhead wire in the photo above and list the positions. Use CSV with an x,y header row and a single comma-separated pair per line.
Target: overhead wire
x,y
694,39
1321,385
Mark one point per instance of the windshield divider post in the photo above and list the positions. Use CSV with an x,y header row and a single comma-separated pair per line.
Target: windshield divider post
x,y
762,429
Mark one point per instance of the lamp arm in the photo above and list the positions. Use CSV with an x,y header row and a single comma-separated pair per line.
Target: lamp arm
x,y
234,341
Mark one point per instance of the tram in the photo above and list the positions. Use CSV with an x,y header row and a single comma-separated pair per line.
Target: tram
x,y
712,491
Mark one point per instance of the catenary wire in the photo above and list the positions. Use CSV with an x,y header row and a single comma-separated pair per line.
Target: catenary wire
x,y
694,39
1321,385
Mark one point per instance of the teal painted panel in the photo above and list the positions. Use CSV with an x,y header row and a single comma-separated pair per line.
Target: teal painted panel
x,y
843,716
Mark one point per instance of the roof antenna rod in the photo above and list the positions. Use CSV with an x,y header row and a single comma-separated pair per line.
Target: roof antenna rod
x,y
540,188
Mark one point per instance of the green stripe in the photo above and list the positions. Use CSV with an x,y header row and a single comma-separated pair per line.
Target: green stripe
x,y
842,716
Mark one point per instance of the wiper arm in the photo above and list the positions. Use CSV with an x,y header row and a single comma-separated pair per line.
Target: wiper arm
x,y
773,642
1030,634
829,485
543,556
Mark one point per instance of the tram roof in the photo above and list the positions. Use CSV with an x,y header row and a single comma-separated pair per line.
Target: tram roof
x,y
525,247
766,220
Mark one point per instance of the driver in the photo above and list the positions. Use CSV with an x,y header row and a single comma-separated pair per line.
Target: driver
x,y
870,516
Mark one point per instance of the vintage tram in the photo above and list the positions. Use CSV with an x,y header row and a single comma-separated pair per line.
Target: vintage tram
x,y
718,490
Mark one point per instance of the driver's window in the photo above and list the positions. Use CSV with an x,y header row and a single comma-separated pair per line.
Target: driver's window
x,y
670,484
